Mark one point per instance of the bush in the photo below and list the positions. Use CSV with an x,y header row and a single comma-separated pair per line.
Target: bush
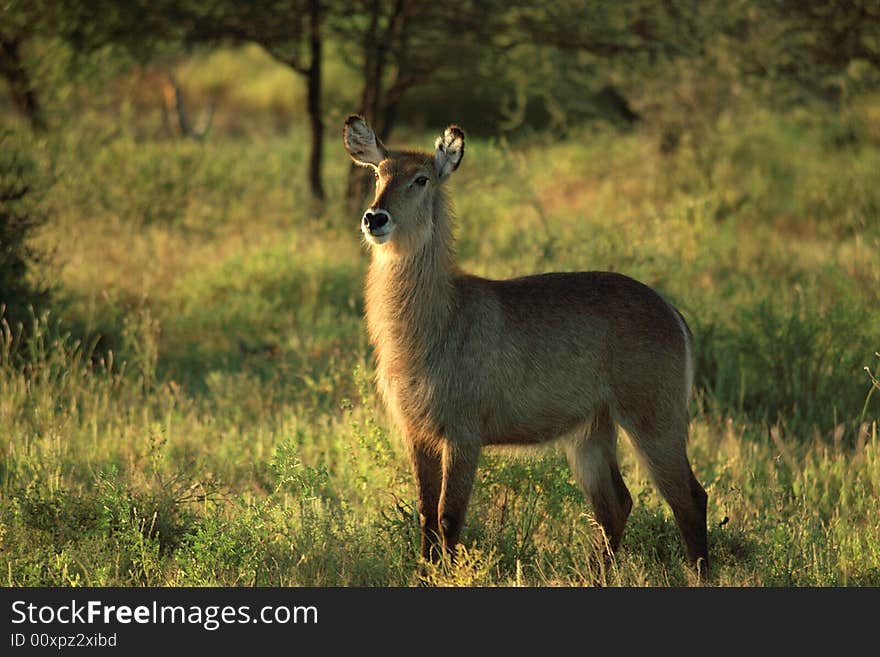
x,y
802,363
19,216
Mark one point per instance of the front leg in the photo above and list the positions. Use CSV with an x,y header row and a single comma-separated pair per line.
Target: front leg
x,y
459,466
426,463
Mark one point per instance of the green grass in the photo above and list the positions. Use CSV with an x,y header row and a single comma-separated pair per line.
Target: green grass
x,y
198,408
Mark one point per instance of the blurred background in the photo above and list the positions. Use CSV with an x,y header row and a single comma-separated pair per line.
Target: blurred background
x,y
154,71
185,387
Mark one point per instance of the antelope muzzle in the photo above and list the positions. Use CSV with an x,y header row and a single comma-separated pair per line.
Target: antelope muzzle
x,y
377,224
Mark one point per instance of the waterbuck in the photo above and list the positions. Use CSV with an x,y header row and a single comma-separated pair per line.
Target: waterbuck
x,y
464,362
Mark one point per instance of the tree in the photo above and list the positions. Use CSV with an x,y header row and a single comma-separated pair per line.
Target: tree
x,y
279,28
816,41
290,31
21,90
19,217
23,20
402,44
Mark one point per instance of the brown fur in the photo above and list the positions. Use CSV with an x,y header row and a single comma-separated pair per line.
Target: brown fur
x,y
464,362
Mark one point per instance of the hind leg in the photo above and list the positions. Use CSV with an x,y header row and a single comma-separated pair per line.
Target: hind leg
x,y
663,448
592,455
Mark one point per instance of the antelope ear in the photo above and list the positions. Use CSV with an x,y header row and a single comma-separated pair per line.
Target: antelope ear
x,y
449,151
361,142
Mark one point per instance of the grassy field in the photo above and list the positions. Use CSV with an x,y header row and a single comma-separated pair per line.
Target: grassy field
x,y
198,408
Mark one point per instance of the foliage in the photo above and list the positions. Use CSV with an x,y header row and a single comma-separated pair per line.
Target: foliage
x,y
20,216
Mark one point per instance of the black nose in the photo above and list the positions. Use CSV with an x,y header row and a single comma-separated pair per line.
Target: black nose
x,y
373,220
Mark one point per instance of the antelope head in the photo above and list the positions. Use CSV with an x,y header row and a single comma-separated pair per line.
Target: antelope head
x,y
402,215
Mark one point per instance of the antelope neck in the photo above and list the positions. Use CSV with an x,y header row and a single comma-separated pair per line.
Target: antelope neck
x,y
410,298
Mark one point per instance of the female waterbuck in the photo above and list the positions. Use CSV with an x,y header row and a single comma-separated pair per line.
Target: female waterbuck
x,y
464,362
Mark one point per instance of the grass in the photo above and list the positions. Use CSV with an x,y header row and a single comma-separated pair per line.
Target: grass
x,y
197,409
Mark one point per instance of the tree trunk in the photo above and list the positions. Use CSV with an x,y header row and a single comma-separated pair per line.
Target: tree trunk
x,y
314,101
374,66
24,98
391,101
360,180
397,34
174,111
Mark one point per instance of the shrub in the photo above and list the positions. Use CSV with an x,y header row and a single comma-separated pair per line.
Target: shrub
x,y
801,362
20,215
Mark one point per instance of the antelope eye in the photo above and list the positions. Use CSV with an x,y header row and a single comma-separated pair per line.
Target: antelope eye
x,y
376,174
421,181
